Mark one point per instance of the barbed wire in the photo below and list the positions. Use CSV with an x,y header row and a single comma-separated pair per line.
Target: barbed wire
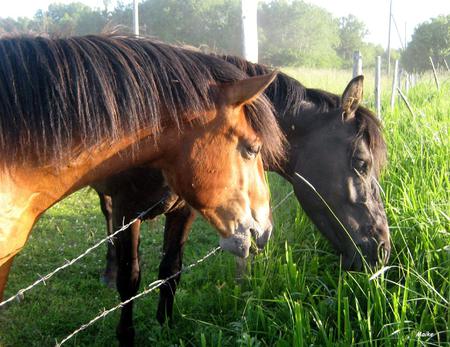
x,y
282,200
151,287
21,292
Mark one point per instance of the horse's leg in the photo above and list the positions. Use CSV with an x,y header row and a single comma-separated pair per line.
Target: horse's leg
x,y
128,274
4,272
110,273
177,228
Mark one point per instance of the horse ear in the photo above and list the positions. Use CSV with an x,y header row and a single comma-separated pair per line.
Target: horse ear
x,y
245,91
352,97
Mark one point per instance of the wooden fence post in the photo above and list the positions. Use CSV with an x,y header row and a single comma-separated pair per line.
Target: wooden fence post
x,y
407,83
357,64
378,87
394,85
446,65
434,73
406,102
413,80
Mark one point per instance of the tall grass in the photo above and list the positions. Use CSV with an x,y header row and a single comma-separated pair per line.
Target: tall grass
x,y
296,293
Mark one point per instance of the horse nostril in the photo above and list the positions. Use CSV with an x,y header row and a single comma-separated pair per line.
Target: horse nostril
x,y
383,252
254,233
261,237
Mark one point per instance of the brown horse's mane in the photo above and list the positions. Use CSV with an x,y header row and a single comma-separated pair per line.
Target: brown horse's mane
x,y
291,98
60,92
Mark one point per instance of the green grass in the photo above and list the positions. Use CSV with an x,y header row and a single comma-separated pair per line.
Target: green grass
x,y
296,293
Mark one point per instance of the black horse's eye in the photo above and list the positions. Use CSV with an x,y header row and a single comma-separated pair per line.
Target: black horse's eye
x,y
251,151
361,166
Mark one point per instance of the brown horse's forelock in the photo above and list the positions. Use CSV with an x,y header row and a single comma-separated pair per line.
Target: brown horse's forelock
x,y
291,98
83,91
272,137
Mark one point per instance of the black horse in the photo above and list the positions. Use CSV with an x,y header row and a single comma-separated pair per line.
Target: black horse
x,y
336,146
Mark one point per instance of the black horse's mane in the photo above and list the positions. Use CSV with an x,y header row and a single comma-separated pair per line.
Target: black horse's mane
x,y
59,92
291,98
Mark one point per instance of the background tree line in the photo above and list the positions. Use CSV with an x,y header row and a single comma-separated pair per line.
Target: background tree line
x,y
290,32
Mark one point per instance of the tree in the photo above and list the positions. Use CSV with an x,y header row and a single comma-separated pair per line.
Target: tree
x,y
212,23
288,36
430,39
352,32
369,52
291,32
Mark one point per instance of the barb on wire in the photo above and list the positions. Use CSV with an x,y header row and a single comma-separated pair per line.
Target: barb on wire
x,y
151,287
67,263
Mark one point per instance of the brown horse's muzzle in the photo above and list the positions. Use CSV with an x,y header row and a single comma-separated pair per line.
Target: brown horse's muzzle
x,y
239,243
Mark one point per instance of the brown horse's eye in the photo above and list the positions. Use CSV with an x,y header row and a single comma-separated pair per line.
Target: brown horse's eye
x,y
361,166
251,151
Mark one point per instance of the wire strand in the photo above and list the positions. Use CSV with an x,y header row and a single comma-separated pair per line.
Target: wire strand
x,y
151,287
21,292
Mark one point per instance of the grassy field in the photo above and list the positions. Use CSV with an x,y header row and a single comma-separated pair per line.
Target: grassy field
x,y
296,293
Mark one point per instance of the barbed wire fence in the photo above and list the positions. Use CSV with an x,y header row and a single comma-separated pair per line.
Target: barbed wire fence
x,y
150,288
68,263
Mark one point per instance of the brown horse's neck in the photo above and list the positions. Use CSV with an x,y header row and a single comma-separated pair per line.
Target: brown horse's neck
x,y
27,192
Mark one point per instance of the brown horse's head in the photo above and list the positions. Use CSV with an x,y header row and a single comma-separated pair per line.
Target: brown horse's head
x,y
218,168
335,160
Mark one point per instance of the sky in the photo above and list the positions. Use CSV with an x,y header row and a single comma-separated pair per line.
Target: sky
x,y
374,13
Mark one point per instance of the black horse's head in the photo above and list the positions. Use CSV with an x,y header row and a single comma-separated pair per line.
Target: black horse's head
x,y
335,159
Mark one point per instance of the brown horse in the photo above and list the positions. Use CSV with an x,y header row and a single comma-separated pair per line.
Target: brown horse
x,y
335,144
75,111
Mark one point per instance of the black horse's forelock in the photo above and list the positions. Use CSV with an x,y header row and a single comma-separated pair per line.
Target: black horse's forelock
x,y
59,92
290,98
369,127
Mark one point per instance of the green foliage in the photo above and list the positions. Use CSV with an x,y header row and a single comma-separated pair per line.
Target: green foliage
x,y
287,34
351,34
9,25
289,37
216,24
369,53
61,19
430,39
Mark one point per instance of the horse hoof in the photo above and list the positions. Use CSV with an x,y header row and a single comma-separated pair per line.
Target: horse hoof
x,y
125,336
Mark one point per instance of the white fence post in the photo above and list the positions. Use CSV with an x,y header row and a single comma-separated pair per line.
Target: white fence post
x,y
357,64
136,17
407,83
378,86
394,85
250,29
